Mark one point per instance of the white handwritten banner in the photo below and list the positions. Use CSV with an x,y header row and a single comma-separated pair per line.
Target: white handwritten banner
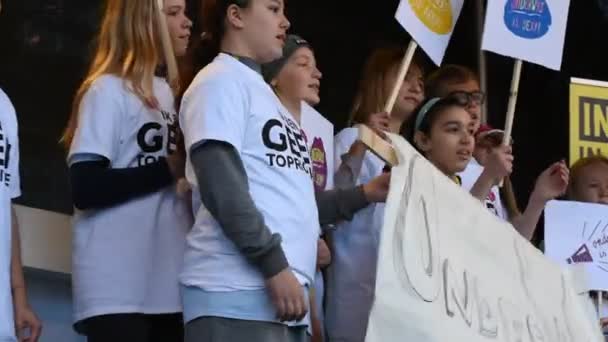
x,y
451,271
531,30
430,23
578,233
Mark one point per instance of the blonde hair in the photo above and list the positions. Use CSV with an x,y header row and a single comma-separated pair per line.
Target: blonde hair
x,y
128,46
576,170
374,88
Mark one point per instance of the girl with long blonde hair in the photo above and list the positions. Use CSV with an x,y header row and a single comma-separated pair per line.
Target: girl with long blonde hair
x,y
124,162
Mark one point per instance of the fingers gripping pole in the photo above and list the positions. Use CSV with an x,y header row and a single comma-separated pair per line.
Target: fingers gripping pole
x,y
167,45
405,65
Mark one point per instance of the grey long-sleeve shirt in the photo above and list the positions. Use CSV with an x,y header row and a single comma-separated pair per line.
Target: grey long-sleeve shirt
x,y
224,191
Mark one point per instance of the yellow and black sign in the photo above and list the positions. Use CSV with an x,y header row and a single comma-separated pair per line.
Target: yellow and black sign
x,y
588,118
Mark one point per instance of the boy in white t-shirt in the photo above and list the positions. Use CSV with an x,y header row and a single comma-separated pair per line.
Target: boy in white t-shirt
x,y
15,312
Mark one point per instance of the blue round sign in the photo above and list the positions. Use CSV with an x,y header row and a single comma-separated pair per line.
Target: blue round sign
x,y
528,19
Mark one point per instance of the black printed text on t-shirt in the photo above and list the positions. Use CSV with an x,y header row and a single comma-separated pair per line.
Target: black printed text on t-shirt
x,y
5,152
287,145
150,139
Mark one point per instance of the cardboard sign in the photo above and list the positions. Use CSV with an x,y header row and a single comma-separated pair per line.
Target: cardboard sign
x,y
320,139
449,270
588,118
577,233
430,23
531,30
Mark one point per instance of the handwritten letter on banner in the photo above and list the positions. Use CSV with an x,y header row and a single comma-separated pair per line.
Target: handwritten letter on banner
x,y
451,271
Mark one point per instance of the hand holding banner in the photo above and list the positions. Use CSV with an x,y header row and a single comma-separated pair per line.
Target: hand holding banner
x,y
445,261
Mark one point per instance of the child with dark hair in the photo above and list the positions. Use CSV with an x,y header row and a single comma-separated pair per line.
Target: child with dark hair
x,y
461,82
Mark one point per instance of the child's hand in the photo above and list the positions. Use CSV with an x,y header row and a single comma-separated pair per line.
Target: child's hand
x,y
287,295
552,183
379,123
499,164
27,325
377,189
323,254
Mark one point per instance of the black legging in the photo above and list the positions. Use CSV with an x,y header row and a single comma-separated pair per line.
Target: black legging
x,y
135,328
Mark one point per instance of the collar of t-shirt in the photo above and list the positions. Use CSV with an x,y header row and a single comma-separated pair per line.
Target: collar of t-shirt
x,y
249,62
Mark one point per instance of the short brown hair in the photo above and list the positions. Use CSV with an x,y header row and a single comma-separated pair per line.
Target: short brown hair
x,y
373,90
448,74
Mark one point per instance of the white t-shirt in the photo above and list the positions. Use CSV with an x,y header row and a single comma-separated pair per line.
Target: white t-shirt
x,y
352,274
230,102
126,259
493,201
9,188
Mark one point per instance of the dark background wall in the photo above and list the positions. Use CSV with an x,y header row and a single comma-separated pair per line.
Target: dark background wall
x,y
45,47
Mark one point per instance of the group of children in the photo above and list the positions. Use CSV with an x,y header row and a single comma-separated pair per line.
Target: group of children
x,y
238,254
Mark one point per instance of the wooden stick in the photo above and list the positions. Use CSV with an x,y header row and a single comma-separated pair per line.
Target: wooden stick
x,y
380,147
168,53
512,102
600,295
405,66
506,139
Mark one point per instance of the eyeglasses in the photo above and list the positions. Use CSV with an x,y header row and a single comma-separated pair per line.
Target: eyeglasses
x,y
475,97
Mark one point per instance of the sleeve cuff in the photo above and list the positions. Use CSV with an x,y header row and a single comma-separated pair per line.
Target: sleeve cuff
x,y
273,262
359,200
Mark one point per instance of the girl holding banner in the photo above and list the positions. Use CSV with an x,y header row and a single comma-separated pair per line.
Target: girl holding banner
x,y
123,138
459,81
351,276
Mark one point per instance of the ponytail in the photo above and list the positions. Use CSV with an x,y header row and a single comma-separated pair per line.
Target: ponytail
x,y
206,46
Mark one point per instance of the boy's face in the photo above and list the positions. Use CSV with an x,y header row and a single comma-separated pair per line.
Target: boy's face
x,y
473,107
592,184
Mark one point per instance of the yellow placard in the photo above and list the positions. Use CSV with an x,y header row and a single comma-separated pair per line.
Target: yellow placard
x,y
588,119
436,15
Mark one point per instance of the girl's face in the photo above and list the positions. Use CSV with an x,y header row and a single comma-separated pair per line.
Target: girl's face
x,y
264,26
591,184
450,144
179,25
411,93
299,79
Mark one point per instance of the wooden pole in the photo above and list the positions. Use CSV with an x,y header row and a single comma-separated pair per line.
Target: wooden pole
x,y
506,139
512,102
405,66
380,147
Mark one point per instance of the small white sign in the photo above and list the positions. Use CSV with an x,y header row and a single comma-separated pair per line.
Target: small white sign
x,y
577,233
530,30
430,23
320,139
